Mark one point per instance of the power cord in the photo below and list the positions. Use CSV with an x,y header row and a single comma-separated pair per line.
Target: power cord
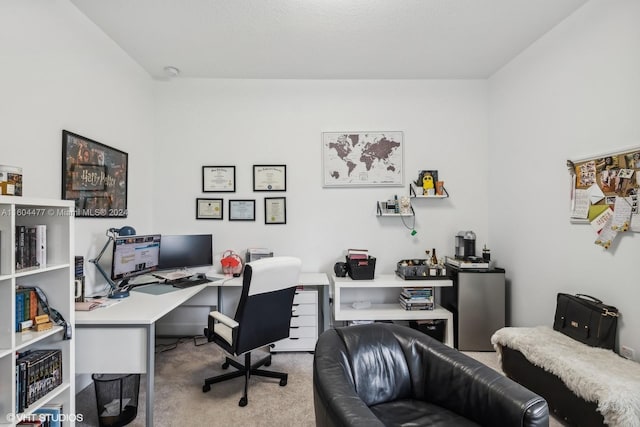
x,y
161,348
413,225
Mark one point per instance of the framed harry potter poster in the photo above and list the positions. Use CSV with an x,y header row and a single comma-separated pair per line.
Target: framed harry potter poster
x,y
94,175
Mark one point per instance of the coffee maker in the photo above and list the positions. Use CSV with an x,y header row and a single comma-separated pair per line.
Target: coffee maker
x,y
465,245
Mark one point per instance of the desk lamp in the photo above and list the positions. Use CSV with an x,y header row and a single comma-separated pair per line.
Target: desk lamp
x,y
112,233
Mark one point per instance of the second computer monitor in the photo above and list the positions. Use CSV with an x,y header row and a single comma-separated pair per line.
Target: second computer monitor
x,y
185,250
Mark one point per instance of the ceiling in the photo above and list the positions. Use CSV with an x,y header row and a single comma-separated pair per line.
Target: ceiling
x,y
326,39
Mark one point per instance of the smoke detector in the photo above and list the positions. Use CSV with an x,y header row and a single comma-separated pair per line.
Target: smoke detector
x,y
171,71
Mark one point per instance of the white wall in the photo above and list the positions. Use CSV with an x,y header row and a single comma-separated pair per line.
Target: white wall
x,y
61,72
574,93
247,122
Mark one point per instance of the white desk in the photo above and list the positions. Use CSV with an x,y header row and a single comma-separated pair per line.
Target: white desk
x,y
121,338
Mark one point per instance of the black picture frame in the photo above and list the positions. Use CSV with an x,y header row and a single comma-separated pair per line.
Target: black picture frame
x,y
275,210
242,210
209,208
218,179
269,177
95,176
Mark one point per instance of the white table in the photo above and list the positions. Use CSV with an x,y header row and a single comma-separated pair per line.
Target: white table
x,y
382,292
120,338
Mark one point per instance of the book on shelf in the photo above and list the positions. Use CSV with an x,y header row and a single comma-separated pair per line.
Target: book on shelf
x,y
37,373
41,245
357,253
31,246
425,292
31,420
79,266
26,301
417,298
50,414
408,305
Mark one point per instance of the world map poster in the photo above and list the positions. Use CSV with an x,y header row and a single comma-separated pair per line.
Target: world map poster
x,y
353,159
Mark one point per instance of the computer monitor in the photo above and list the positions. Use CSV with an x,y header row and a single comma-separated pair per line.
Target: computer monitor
x,y
135,255
185,250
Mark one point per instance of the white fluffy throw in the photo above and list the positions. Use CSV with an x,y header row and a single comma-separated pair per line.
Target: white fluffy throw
x,y
594,374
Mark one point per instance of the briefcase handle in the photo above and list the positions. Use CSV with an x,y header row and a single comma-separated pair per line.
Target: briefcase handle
x,y
589,297
608,310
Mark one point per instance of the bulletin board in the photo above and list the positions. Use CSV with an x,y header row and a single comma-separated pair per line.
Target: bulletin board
x,y
604,193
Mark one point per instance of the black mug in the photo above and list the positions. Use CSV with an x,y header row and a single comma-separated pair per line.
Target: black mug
x,y
340,268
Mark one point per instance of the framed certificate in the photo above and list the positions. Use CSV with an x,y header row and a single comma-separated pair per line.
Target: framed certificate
x,y
209,208
218,179
269,177
275,210
242,210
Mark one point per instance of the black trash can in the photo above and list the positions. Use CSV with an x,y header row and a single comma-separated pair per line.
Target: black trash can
x,y
433,328
117,398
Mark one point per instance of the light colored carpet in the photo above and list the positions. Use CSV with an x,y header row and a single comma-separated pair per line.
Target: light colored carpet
x,y
179,400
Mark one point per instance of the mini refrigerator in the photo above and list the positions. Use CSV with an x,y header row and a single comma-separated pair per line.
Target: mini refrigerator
x,y
477,301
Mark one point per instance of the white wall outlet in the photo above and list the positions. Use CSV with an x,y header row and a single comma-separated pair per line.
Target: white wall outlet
x,y
627,352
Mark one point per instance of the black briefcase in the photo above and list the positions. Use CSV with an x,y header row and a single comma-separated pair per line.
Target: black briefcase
x,y
586,319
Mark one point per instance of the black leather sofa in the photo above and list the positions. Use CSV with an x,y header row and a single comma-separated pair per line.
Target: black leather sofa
x,y
391,375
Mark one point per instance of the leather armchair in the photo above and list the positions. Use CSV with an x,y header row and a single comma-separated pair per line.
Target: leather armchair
x,y
390,375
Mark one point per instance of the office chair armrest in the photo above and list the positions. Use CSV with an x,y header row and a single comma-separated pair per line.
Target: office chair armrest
x,y
224,319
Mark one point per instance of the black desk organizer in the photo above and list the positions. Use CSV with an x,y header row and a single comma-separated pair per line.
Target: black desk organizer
x,y
418,269
361,268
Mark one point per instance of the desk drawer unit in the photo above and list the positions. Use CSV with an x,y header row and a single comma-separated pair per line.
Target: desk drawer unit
x,y
304,324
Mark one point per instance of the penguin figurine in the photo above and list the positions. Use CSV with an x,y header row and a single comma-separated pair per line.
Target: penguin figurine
x,y
427,185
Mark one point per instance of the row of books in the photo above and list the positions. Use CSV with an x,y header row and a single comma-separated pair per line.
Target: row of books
x,y
31,246
37,373
49,415
417,298
26,306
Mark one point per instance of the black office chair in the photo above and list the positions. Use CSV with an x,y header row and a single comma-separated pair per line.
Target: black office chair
x,y
263,316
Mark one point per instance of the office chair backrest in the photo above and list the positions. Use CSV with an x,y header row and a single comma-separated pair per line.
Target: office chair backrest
x,y
264,309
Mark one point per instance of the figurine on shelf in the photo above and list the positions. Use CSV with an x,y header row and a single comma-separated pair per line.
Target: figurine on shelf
x,y
427,185
427,180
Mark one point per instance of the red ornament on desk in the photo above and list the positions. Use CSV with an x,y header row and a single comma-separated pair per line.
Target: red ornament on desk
x,y
231,263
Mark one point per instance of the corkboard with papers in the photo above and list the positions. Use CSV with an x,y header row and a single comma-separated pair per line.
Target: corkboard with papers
x,y
604,193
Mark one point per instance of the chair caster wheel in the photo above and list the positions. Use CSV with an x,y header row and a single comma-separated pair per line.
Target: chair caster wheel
x,y
243,402
283,383
225,365
206,388
268,362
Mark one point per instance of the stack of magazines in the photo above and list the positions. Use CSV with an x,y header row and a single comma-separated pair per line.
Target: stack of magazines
x,y
417,298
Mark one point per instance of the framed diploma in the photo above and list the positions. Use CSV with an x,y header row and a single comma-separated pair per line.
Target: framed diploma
x,y
269,178
218,179
275,210
242,210
209,208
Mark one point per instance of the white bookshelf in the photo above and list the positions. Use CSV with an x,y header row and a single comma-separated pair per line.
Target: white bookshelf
x,y
56,280
382,293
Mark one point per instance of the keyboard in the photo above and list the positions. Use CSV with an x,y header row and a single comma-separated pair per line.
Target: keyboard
x,y
182,284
